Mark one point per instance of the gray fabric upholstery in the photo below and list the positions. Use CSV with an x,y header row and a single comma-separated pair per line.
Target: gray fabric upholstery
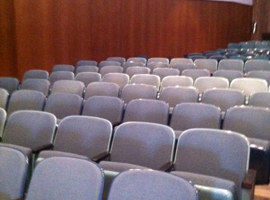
x,y
36,74
132,70
101,89
60,75
180,61
111,69
137,91
250,85
147,110
206,152
133,64
196,73
119,78
13,171
63,67
204,83
231,64
195,115
148,79
31,129
4,95
154,65
224,98
118,59
64,104
9,83
250,121
68,86
253,64
66,178
86,62
229,74
42,85
158,60
108,63
176,81
137,60
163,72
146,144
260,99
110,108
3,116
88,77
25,150
174,95
119,166
260,74
86,68
209,64
26,100
148,184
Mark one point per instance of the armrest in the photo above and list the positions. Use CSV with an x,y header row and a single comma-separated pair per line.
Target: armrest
x,y
100,156
249,180
167,167
43,147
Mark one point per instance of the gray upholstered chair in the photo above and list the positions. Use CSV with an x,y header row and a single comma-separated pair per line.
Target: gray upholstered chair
x,y
163,72
86,68
140,145
68,86
149,184
231,64
229,74
176,81
101,89
182,64
63,105
255,64
66,178
148,79
9,83
260,99
63,67
122,60
137,60
196,73
60,75
204,83
209,64
82,137
263,74
253,122
147,110
194,115
36,74
216,161
111,69
138,91
86,63
88,77
4,97
42,85
118,78
3,117
107,107
26,100
132,70
108,63
158,60
154,65
13,173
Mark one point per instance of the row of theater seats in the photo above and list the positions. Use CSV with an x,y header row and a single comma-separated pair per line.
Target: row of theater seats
x,y
216,161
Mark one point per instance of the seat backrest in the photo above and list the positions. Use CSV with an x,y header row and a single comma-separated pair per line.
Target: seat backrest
x,y
36,74
4,97
174,95
122,60
88,77
249,85
148,184
101,89
137,60
83,135
118,78
3,117
26,100
13,171
250,121
86,68
60,75
63,67
148,79
137,91
9,83
63,104
140,143
154,65
259,74
110,108
175,61
231,64
42,85
195,115
137,70
86,63
224,98
204,83
30,129
108,63
256,64
147,110
209,64
260,99
55,175
229,74
176,81
68,86
163,72
215,153
158,60
195,73
111,69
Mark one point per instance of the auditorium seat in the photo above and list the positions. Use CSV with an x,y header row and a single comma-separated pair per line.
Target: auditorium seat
x,y
148,184
196,73
26,100
184,81
204,83
122,60
259,74
41,85
215,161
217,57
4,97
80,137
61,75
158,60
86,68
63,67
260,99
3,117
163,72
86,63
36,74
231,64
182,64
108,63
101,89
13,173
107,107
255,64
228,74
133,64
132,70
194,115
154,65
9,83
88,77
148,79
111,69
68,86
120,79
66,178
209,64
137,60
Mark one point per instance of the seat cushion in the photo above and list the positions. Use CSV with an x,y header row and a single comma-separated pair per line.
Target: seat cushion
x,y
119,166
25,150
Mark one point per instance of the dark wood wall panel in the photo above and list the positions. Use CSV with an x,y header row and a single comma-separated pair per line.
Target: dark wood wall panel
x,y
65,31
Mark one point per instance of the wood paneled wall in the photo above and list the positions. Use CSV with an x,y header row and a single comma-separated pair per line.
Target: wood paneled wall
x,y
39,33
